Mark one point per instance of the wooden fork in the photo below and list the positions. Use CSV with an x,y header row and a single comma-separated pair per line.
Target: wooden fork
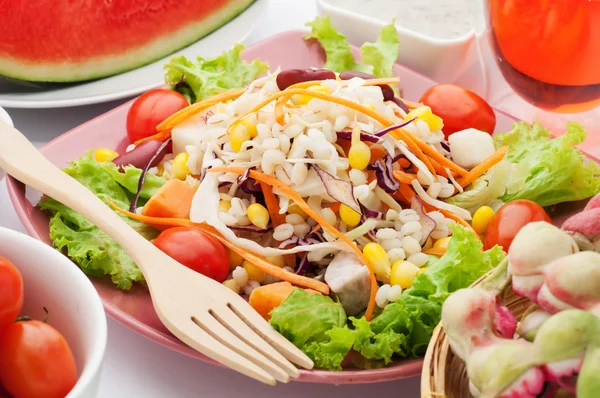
x,y
201,312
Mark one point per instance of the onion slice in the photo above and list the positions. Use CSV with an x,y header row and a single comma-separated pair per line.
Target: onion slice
x,y
386,130
338,189
428,225
136,198
462,213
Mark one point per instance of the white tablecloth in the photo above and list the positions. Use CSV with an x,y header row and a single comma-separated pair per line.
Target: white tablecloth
x,y
136,367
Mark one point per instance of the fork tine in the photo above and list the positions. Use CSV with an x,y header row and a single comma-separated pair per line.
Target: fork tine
x,y
219,332
189,332
252,318
229,319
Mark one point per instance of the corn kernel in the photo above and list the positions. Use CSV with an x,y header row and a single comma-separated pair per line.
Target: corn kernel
x,y
254,273
359,155
276,260
442,243
250,126
258,215
235,260
230,283
238,134
179,167
482,218
302,99
403,273
295,209
224,206
378,259
425,114
105,155
337,77
349,216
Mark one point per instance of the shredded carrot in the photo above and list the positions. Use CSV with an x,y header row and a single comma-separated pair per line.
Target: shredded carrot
x,y
482,167
409,140
404,177
411,105
458,220
160,136
280,111
258,261
438,157
436,251
192,110
370,82
316,228
260,177
406,192
441,170
377,152
276,218
404,163
335,207
372,178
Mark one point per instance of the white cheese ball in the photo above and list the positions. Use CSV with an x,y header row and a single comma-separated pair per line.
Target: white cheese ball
x,y
470,147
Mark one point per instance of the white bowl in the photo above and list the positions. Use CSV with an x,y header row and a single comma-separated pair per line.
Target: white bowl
x,y
51,280
443,60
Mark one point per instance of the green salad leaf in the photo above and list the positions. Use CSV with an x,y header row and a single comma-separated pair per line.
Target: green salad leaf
x,y
377,58
553,170
205,78
86,244
538,168
317,324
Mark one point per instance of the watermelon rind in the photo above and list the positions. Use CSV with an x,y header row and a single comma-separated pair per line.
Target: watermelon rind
x,y
103,66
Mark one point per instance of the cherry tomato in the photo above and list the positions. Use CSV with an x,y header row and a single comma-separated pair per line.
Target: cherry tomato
x,y
196,250
11,293
459,108
36,361
151,108
509,220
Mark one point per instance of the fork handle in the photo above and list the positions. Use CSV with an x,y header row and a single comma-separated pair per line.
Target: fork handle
x,y
22,160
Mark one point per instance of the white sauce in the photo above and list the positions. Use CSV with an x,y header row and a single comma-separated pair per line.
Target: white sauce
x,y
442,19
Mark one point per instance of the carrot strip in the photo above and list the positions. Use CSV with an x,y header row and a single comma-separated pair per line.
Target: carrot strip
x,y
404,177
411,105
458,220
482,167
412,142
317,217
438,157
335,207
191,110
404,163
372,178
370,82
436,251
279,110
316,228
259,262
441,170
276,218
160,136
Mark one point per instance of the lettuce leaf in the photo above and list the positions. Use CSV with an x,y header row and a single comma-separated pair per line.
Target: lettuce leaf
x,y
553,170
377,59
86,244
316,324
207,77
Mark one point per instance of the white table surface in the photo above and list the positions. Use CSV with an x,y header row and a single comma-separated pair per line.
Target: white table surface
x,y
136,367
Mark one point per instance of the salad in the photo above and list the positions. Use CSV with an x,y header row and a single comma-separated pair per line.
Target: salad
x,y
344,212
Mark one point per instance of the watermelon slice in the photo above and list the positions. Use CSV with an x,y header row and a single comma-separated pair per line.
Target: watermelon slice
x,y
69,41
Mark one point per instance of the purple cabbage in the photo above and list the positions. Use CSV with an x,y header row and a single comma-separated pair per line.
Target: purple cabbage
x,y
427,223
248,185
303,266
401,104
159,151
224,184
347,135
310,239
373,214
383,171
338,189
386,130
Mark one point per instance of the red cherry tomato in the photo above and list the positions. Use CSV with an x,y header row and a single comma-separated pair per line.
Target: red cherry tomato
x,y
151,108
36,361
11,293
196,250
459,108
509,220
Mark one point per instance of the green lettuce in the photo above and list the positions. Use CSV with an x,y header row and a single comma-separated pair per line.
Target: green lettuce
x,y
377,58
204,77
538,168
317,325
86,244
553,170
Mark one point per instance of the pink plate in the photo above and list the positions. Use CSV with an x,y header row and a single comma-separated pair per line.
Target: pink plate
x,y
134,308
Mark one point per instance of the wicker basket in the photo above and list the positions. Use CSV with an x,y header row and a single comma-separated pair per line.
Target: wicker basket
x,y
444,374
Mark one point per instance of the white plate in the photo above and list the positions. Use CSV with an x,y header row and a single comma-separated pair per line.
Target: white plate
x,y
134,82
